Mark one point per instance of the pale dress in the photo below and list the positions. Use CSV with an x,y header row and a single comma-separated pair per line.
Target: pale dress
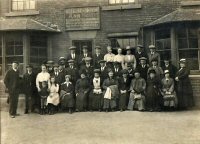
x,y
53,97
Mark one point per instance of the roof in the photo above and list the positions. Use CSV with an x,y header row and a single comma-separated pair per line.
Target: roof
x,y
180,15
8,24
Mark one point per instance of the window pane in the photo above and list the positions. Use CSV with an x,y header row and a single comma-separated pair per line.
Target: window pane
x,y
192,33
159,45
14,5
18,50
10,50
20,5
9,60
42,52
117,1
32,4
193,42
27,4
162,34
131,1
167,44
124,1
33,51
112,1
182,43
181,33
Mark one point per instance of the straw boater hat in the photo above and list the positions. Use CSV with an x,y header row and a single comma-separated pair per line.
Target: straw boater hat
x,y
97,71
72,48
50,62
152,47
140,46
142,58
88,59
70,61
166,71
183,60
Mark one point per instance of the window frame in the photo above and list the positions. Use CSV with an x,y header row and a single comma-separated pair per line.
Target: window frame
x,y
24,9
122,3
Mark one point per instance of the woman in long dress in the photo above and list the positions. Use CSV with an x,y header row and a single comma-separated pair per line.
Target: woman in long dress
x,y
153,100
82,90
137,93
168,92
53,99
111,92
67,94
96,94
184,88
124,85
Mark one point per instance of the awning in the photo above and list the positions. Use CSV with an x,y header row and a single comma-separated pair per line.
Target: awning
x,y
9,24
180,15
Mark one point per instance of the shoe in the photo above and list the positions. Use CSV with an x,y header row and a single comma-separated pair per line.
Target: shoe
x,y
12,116
26,111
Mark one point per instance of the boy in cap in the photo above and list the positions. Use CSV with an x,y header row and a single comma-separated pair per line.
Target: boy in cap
x,y
139,53
30,89
12,83
117,69
168,66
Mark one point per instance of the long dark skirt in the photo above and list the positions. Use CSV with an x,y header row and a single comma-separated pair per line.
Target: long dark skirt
x,y
67,101
95,101
185,94
153,99
81,101
123,101
109,103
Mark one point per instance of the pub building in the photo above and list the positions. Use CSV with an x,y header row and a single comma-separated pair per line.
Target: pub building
x,y
32,31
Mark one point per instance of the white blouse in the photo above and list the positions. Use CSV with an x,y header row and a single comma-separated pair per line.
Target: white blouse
x,y
42,76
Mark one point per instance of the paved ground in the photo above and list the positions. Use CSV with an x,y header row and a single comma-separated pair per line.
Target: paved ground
x,y
102,128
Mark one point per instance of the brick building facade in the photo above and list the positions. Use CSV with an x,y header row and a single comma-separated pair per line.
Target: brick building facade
x,y
44,29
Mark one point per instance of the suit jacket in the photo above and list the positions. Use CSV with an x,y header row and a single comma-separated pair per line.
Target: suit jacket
x,y
29,83
74,74
143,71
96,60
124,85
104,73
67,89
12,81
81,60
172,70
154,56
138,85
89,71
76,60
139,55
117,74
60,78
131,74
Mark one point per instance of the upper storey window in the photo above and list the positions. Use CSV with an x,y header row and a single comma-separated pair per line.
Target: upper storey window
x,y
20,5
121,1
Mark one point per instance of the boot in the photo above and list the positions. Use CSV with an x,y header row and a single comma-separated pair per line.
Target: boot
x,y
26,111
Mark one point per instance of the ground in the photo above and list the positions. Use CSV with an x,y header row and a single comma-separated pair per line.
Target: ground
x,y
130,127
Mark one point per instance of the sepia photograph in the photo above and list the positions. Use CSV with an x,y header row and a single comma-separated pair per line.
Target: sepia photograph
x,y
99,71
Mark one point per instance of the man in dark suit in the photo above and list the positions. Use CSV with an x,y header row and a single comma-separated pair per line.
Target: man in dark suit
x,y
104,69
153,55
73,56
84,55
88,68
130,71
72,71
58,73
97,57
117,69
143,67
12,83
139,53
168,66
30,90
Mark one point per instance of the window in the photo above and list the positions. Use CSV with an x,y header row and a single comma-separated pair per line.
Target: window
x,y
14,50
163,43
188,46
20,5
123,42
121,1
38,48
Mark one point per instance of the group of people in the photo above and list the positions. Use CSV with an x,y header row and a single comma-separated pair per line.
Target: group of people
x,y
100,82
